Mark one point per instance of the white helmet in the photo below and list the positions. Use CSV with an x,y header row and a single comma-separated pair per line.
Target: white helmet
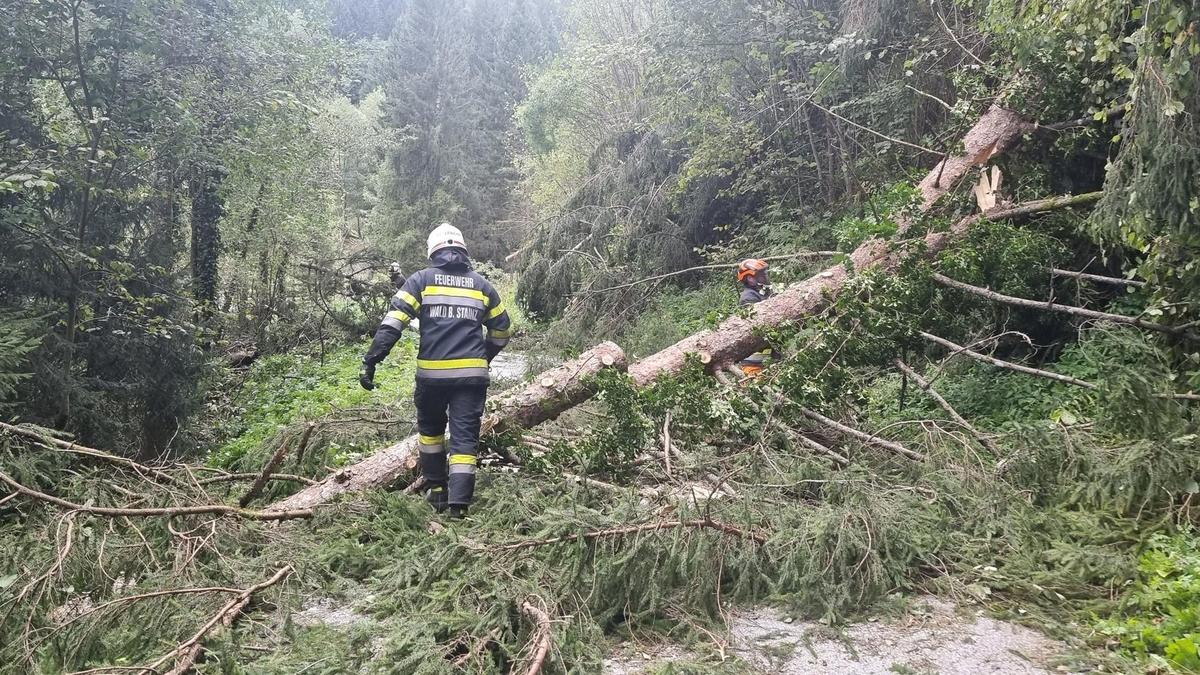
x,y
445,235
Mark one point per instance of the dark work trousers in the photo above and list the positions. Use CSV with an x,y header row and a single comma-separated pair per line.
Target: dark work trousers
x,y
461,406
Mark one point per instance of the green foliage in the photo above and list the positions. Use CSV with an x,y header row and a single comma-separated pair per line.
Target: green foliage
x,y
111,193
880,218
452,74
1160,615
16,343
673,315
287,390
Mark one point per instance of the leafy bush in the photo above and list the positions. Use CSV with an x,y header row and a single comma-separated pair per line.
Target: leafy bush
x,y
1162,612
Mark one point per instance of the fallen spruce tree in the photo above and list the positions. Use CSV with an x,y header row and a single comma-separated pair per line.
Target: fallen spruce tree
x,y
553,392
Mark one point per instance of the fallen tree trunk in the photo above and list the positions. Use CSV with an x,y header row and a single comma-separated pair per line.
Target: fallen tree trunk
x,y
551,393
561,388
736,337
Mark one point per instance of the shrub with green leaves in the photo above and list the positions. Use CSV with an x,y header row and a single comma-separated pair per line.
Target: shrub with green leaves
x,y
1160,615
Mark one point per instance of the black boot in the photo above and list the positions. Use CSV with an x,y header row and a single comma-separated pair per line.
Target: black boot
x,y
436,496
458,511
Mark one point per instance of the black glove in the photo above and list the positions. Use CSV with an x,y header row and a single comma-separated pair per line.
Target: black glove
x,y
366,376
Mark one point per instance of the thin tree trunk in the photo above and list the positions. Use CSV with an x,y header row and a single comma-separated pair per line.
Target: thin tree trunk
x,y
207,209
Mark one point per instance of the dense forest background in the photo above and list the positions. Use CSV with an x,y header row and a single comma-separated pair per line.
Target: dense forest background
x,y
201,204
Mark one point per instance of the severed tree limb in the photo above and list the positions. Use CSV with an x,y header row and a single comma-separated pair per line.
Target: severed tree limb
x,y
945,405
1065,309
714,266
860,435
700,523
1007,365
251,475
73,448
542,636
835,456
272,464
186,654
1116,281
214,509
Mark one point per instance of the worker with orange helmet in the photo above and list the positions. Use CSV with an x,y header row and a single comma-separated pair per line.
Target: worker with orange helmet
x,y
752,273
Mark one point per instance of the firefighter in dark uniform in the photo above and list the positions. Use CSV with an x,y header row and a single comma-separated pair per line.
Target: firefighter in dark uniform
x,y
752,273
455,306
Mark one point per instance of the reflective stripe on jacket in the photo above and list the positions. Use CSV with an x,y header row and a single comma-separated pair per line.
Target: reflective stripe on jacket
x,y
463,320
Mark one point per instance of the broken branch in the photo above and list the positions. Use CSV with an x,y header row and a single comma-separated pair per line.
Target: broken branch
x,y
1007,365
862,436
272,464
1116,281
73,448
188,652
636,529
541,636
251,475
945,405
216,509
1065,309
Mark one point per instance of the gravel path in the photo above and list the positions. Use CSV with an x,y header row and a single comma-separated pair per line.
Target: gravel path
x,y
934,638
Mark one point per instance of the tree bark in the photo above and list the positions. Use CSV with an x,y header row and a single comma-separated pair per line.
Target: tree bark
x,y
207,209
737,336
547,396
997,131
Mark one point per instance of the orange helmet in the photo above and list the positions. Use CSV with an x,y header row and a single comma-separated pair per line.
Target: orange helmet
x,y
749,267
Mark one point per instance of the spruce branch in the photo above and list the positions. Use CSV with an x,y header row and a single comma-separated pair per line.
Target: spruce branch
x,y
219,509
699,523
1052,306
74,448
945,405
185,655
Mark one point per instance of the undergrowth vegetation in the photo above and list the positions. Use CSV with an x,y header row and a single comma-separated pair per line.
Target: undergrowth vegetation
x,y
760,502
